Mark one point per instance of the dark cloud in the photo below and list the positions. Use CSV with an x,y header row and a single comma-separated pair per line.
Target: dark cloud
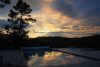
x,y
56,34
95,12
65,7
94,21
87,10
76,27
35,4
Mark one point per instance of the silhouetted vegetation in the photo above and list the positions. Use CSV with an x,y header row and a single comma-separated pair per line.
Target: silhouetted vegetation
x,y
53,42
18,21
61,42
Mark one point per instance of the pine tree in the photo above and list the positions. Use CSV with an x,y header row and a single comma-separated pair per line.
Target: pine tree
x,y
18,18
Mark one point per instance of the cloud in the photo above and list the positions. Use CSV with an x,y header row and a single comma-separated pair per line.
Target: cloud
x,y
66,7
35,4
85,10
74,16
53,59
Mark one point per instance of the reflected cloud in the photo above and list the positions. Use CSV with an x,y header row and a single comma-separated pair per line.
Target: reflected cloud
x,y
61,59
52,59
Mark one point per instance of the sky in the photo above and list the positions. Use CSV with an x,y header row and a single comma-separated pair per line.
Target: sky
x,y
65,18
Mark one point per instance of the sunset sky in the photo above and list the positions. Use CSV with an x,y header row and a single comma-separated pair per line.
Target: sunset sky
x,y
66,18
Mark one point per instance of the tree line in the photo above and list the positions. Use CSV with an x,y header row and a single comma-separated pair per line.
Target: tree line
x,y
53,42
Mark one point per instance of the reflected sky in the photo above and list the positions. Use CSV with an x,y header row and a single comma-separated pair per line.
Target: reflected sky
x,y
60,59
52,59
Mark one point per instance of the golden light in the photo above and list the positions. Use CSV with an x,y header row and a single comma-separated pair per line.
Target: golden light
x,y
48,1
50,20
51,56
51,59
45,30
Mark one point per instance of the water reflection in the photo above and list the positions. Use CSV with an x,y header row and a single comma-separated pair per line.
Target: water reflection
x,y
48,59
52,58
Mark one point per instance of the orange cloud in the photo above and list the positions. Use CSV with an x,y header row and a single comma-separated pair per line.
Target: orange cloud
x,y
48,1
50,20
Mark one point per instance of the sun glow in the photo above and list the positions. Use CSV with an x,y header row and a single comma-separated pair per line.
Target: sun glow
x,y
50,21
45,30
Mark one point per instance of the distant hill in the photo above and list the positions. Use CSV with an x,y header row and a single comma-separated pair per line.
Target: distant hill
x,y
61,42
53,42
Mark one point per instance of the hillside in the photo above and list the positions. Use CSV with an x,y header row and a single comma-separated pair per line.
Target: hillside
x,y
54,42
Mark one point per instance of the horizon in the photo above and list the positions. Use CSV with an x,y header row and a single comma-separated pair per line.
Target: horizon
x,y
76,18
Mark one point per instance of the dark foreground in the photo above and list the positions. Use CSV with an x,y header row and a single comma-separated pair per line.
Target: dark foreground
x,y
53,42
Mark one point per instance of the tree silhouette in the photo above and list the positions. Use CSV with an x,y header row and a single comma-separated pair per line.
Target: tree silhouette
x,y
3,2
18,20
